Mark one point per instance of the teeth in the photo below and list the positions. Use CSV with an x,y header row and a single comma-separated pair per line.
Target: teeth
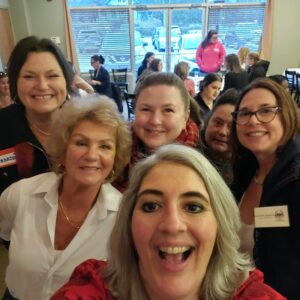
x,y
174,250
45,97
256,133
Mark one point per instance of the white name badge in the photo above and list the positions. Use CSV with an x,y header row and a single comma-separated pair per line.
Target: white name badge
x,y
271,216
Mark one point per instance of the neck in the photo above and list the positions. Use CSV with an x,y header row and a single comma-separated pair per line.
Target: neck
x,y
265,163
208,101
40,122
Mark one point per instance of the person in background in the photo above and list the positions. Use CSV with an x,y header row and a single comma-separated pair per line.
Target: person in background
x,y
242,55
175,237
58,219
256,67
266,147
210,88
79,84
210,53
282,80
216,134
100,78
182,70
162,111
235,77
149,56
5,99
156,65
40,80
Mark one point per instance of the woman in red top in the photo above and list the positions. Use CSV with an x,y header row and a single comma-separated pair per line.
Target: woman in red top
x,y
175,237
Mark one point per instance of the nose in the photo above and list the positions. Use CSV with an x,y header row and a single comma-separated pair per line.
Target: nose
x,y
172,221
42,82
224,130
155,118
91,153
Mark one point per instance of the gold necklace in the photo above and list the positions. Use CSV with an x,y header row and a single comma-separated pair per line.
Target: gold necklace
x,y
38,129
68,218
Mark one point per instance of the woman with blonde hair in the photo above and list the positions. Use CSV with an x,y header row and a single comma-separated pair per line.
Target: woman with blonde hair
x,y
58,219
242,55
182,70
256,67
175,237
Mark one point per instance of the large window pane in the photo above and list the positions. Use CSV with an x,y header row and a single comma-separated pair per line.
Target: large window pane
x,y
104,32
91,3
236,1
155,2
238,26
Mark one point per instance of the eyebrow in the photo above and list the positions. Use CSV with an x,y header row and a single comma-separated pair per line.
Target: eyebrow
x,y
87,138
160,193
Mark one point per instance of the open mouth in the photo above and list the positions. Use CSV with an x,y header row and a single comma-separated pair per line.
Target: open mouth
x,y
175,254
43,97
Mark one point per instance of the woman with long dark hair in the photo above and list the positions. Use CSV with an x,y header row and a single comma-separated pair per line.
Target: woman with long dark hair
x,y
149,56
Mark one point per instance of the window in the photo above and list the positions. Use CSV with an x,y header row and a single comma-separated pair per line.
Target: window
x,y
124,30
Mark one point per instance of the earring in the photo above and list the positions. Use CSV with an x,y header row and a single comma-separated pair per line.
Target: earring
x,y
111,175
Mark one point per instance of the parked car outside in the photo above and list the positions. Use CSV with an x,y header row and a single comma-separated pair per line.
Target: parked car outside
x,y
159,38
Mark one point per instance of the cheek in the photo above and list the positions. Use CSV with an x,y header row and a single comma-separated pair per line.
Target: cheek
x,y
140,231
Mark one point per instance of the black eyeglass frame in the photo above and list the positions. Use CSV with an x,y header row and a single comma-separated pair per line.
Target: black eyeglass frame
x,y
251,113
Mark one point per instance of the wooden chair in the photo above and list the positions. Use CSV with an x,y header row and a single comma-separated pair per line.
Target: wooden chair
x,y
129,98
120,78
291,77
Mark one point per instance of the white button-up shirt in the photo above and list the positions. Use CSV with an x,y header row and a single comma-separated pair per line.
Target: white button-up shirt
x,y
28,210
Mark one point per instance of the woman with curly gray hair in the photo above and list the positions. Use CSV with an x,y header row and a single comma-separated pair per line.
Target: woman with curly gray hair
x,y
58,219
175,237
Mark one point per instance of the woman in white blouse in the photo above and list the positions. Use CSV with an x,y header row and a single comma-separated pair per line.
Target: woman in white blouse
x,y
56,220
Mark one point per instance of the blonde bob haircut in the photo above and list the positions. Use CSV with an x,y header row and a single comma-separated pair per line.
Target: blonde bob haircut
x,y
227,267
94,108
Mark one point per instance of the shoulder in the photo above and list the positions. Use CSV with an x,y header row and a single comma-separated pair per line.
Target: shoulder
x,y
111,196
255,288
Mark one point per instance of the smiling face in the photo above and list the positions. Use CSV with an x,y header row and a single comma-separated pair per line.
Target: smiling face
x,y
217,133
41,84
212,91
90,154
174,231
259,138
160,115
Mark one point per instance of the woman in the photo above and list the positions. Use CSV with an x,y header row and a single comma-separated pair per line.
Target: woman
x,y
210,88
5,99
149,56
172,243
40,79
267,150
235,76
256,67
57,220
182,70
155,65
282,80
210,53
242,55
100,78
162,109
216,134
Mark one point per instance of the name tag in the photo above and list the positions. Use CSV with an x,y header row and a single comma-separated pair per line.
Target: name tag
x,y
271,216
7,157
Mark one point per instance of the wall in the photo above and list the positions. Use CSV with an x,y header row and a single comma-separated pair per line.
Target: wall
x,y
38,17
285,51
46,19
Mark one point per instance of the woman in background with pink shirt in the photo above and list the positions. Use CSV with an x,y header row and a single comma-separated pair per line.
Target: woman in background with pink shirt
x,y
210,53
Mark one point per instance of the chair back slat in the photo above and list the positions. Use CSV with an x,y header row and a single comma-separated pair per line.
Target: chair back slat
x,y
291,77
130,99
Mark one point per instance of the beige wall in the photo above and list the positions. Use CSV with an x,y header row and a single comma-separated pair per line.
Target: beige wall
x,y
46,19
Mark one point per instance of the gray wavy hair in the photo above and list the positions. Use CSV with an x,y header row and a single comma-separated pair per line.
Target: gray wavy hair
x,y
227,268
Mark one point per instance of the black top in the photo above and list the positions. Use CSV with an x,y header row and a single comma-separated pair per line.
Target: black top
x,y
235,80
277,249
204,109
141,70
103,76
21,154
258,70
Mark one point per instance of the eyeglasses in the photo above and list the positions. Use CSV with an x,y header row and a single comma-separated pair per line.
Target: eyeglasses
x,y
263,115
3,74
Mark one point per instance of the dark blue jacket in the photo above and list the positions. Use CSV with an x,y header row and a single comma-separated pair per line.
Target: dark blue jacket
x,y
277,250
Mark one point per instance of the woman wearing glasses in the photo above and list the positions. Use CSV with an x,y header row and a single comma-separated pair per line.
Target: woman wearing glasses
x,y
267,182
